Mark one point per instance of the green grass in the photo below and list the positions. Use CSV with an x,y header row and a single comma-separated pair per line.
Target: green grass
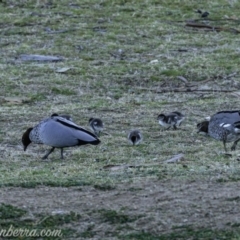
x,y
114,217
10,212
13,218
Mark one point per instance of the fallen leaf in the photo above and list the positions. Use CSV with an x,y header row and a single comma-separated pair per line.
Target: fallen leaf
x,y
63,70
154,61
176,158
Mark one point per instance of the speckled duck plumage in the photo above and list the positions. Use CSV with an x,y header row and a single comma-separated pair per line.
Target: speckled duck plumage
x,y
58,132
96,125
173,119
135,137
225,126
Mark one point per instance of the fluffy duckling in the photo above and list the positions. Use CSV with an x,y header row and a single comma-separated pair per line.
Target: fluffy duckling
x,y
135,137
96,125
173,119
58,132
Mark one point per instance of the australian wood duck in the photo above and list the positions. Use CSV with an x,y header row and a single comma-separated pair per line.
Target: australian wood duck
x,y
225,126
58,132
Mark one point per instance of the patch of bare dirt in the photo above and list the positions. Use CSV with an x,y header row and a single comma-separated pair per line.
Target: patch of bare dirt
x,y
159,205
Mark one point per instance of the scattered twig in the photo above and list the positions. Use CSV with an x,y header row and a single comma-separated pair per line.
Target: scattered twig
x,y
40,58
50,31
184,90
182,79
116,167
198,83
236,94
180,50
214,78
230,75
212,28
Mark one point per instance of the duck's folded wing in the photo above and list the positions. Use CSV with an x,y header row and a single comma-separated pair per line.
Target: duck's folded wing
x,y
84,136
60,132
67,123
227,116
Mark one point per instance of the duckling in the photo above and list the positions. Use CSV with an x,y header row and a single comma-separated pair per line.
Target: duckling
x,y
96,125
205,14
180,117
68,117
135,137
225,126
58,132
203,127
173,119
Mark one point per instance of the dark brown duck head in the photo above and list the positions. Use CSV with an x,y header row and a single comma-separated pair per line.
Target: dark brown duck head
x,y
161,117
95,122
203,127
25,139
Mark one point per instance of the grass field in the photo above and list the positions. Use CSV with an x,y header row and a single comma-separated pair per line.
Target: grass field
x,y
124,61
